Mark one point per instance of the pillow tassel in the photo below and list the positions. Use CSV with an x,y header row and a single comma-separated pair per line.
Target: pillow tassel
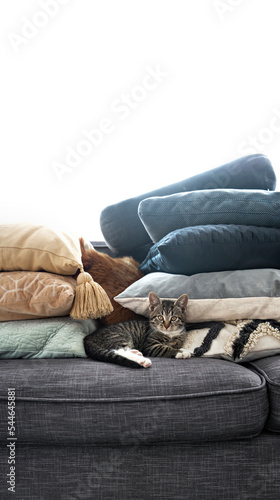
x,y
91,300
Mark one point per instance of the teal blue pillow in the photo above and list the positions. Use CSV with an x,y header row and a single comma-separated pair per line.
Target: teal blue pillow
x,y
161,215
203,249
125,234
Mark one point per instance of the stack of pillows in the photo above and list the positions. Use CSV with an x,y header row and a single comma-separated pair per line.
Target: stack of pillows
x,y
212,230
215,236
37,293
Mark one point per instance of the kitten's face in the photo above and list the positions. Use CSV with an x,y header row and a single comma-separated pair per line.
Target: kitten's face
x,y
168,316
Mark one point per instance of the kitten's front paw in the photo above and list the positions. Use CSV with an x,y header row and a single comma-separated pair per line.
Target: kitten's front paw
x,y
183,354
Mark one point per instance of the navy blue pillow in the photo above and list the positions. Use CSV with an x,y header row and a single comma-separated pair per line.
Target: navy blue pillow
x,y
211,248
125,234
161,215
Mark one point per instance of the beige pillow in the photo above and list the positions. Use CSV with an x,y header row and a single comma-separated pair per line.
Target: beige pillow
x,y
27,247
30,295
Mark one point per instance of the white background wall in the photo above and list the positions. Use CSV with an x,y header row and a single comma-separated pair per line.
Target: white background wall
x,y
74,68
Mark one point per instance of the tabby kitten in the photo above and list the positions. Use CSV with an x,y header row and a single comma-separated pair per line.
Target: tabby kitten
x,y
127,343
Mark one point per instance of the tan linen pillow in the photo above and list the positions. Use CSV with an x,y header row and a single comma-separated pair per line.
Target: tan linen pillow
x,y
31,295
28,247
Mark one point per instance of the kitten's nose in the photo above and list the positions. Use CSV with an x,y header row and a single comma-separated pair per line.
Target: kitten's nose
x,y
166,324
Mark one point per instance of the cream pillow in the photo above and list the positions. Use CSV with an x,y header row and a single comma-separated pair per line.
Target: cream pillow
x,y
27,247
30,295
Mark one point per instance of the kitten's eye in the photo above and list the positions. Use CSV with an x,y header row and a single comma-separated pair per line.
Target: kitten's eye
x,y
173,318
160,317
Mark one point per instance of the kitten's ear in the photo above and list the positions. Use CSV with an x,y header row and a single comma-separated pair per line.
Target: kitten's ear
x,y
154,300
182,301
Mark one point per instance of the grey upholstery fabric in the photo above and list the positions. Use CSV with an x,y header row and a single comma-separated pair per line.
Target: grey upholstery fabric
x,y
269,368
236,470
75,401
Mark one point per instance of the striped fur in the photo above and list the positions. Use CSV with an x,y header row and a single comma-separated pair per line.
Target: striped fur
x,y
128,343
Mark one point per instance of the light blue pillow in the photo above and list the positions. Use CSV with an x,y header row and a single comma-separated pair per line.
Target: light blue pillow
x,y
202,249
161,215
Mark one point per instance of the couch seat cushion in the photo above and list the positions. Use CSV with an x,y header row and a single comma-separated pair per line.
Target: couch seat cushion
x,y
66,401
269,368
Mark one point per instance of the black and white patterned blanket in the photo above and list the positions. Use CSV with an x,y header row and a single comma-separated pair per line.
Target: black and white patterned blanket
x,y
240,340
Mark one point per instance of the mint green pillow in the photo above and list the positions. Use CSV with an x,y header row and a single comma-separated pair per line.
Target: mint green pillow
x,y
44,338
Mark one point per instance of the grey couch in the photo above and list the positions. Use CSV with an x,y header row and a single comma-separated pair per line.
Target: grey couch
x,y
192,429
184,429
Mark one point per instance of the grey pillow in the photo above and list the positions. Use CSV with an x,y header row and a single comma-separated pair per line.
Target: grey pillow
x,y
221,296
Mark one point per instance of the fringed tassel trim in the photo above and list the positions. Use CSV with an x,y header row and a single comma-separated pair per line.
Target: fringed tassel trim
x,y
91,300
250,333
